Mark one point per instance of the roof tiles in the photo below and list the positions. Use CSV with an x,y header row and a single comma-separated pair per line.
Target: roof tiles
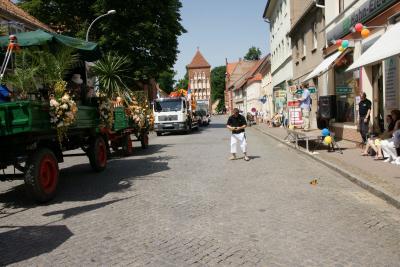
x,y
199,61
12,9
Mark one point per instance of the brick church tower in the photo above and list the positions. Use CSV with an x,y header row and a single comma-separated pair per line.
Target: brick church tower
x,y
199,72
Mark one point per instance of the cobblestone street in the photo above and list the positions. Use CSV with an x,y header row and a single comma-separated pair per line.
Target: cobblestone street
x,y
182,202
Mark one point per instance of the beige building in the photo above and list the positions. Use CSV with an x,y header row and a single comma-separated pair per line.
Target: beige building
x,y
378,78
199,71
308,41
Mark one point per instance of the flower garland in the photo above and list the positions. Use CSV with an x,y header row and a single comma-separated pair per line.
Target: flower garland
x,y
63,110
106,111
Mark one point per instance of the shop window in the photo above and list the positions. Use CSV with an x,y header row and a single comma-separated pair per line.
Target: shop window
x,y
341,6
346,88
315,36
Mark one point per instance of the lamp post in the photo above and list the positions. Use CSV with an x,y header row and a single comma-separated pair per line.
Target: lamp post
x,y
109,12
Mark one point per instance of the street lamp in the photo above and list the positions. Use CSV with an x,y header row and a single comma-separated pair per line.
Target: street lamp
x,y
109,12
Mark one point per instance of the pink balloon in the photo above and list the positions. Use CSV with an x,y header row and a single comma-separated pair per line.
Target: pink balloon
x,y
358,27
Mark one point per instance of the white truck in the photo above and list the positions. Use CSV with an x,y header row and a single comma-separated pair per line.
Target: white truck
x,y
173,114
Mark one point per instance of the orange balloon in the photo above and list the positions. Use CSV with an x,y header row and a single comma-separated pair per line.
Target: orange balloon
x,y
365,33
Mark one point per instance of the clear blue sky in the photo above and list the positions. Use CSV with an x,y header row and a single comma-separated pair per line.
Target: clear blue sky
x,y
222,29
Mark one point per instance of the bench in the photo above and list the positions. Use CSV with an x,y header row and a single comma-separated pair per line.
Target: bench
x,y
296,136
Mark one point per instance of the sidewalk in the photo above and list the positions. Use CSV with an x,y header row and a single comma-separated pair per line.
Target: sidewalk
x,y
378,177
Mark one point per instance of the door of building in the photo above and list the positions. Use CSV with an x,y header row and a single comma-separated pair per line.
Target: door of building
x,y
377,83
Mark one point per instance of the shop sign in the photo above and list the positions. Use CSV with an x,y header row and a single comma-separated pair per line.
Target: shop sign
x,y
343,90
391,83
311,89
362,14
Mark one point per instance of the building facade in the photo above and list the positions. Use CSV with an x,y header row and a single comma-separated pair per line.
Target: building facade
x,y
234,81
308,42
267,92
14,20
278,13
199,73
373,79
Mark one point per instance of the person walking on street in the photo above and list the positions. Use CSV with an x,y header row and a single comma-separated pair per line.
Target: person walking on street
x,y
236,124
364,110
305,105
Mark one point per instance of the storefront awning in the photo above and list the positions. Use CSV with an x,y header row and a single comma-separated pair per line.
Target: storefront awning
x,y
324,66
387,46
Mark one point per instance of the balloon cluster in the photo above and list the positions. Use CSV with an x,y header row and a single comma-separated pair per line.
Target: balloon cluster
x,y
327,136
362,29
343,44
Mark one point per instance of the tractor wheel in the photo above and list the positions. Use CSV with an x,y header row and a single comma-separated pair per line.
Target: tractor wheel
x,y
127,148
97,154
41,175
144,140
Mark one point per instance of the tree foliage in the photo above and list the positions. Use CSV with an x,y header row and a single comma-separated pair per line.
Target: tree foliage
x,y
254,53
145,32
183,83
218,83
166,80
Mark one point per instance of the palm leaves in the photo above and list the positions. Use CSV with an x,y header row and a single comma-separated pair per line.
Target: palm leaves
x,y
53,66
22,79
34,66
111,71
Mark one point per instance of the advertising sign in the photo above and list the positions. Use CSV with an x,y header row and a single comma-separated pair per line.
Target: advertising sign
x,y
362,13
391,83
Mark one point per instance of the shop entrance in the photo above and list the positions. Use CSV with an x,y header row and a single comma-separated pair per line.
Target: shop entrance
x,y
377,83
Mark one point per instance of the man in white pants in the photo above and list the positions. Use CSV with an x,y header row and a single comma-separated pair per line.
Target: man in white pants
x,y
237,123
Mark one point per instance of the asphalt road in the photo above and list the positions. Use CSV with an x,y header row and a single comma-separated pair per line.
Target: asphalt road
x,y
182,203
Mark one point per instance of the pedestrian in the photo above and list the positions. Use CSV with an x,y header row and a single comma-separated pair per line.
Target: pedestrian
x,y
305,105
236,124
364,110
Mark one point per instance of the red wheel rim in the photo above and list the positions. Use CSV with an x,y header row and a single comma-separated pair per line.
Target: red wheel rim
x,y
48,174
101,153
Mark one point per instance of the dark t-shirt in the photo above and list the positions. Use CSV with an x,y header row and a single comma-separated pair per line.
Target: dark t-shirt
x,y
363,107
237,122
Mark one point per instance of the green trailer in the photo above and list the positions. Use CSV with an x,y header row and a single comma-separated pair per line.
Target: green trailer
x,y
30,144
120,135
30,147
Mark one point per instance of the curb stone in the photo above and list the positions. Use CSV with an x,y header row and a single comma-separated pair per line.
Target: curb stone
x,y
374,189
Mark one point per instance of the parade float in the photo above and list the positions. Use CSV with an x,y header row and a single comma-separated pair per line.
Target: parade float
x,y
47,109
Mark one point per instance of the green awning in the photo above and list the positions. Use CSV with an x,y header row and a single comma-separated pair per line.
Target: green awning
x,y
40,37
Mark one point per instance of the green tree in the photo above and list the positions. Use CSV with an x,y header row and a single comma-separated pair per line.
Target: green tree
x,y
218,83
254,53
69,17
183,83
166,80
146,32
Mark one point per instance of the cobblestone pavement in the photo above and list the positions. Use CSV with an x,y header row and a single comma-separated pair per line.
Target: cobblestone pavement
x,y
182,203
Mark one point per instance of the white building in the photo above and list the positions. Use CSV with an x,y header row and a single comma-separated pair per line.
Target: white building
x,y
278,12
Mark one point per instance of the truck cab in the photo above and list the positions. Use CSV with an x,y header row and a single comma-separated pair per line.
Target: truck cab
x,y
173,114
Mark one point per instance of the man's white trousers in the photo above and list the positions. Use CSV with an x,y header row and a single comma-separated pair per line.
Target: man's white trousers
x,y
240,139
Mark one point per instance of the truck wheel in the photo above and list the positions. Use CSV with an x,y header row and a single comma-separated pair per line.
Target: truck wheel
x,y
97,154
127,145
41,175
158,133
144,140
